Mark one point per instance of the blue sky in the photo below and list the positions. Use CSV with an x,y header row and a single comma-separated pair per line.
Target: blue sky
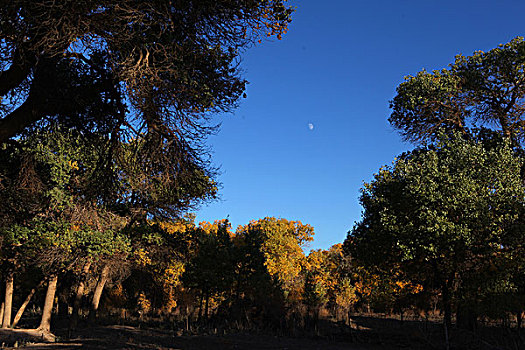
x,y
337,69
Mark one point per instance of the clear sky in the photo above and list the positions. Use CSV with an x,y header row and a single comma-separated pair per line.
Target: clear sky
x,y
314,125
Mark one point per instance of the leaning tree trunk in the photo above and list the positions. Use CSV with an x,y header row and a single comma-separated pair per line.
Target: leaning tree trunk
x,y
45,323
78,297
98,292
23,307
8,301
2,312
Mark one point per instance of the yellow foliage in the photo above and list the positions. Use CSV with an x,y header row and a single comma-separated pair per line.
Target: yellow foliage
x,y
180,226
117,295
213,228
73,165
328,277
281,244
142,258
143,303
346,296
171,300
173,272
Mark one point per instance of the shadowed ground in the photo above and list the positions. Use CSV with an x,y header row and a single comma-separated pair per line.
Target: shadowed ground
x,y
365,333
125,337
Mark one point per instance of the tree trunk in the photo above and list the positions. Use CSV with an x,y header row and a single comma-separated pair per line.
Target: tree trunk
x,y
2,311
78,297
206,306
45,323
23,307
187,319
199,319
8,301
447,320
104,275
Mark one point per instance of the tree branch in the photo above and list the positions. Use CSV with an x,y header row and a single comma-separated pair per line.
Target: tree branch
x,y
19,119
15,74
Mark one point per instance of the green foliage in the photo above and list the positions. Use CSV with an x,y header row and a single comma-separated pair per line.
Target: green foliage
x,y
486,89
65,161
163,183
441,212
212,268
426,103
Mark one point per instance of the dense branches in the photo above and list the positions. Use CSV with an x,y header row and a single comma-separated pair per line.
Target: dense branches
x,y
168,63
144,76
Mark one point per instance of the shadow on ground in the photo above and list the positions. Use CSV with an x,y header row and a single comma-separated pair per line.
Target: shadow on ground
x,y
364,333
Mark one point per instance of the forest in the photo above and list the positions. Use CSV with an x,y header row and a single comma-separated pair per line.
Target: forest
x,y
104,114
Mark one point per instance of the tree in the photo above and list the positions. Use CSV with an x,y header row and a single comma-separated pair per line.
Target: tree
x,y
329,279
63,227
486,89
440,212
271,264
211,270
280,243
151,73
161,252
155,69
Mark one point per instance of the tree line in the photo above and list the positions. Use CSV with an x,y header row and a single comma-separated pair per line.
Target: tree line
x,y
441,232
59,234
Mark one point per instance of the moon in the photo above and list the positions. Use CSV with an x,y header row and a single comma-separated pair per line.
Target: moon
x,y
310,126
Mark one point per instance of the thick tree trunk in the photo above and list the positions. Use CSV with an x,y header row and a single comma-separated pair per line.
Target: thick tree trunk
x,y
8,301
23,307
45,323
98,292
78,297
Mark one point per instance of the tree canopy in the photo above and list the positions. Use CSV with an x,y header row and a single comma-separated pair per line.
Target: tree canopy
x,y
486,89
158,66
441,212
145,76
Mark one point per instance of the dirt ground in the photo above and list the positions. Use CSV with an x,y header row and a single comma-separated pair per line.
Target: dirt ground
x,y
126,337
365,333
